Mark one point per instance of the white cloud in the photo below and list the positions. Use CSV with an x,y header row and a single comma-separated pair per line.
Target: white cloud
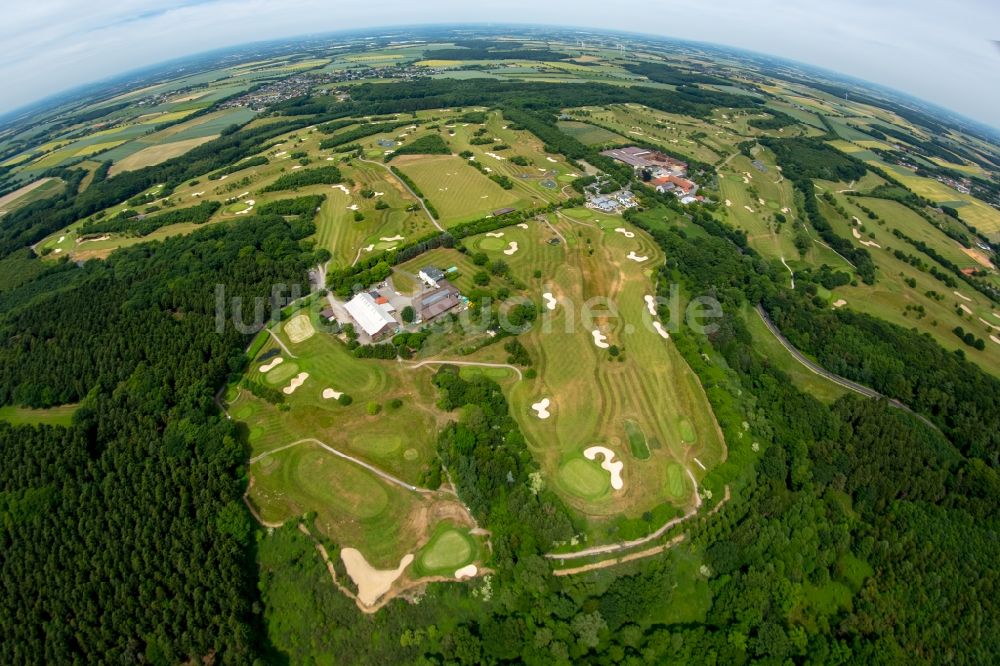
x,y
940,53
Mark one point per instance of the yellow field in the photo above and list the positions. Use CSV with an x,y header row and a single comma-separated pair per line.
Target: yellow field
x,y
97,147
156,154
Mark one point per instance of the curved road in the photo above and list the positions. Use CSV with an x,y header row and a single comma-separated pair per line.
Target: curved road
x,y
836,379
475,364
408,189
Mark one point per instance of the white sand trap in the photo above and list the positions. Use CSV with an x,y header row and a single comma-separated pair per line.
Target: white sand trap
x,y
761,202
487,170
550,300
785,210
379,194
600,340
748,208
297,381
543,170
699,463
330,394
522,225
542,408
495,234
497,157
613,468
243,195
650,304
57,250
197,194
511,249
352,207
552,160
250,202
871,244
995,339
962,296
635,257
965,308
299,329
728,203
391,239
279,154
275,362
61,239
839,303
855,232
368,248
854,218
245,211
372,583
297,166
989,324
625,232
329,159
342,188
468,571
662,331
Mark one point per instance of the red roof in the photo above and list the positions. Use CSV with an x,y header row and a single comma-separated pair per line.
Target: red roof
x,y
381,300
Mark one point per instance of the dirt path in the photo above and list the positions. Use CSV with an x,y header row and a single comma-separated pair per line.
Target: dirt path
x,y
614,561
280,343
408,189
836,379
790,271
371,468
508,366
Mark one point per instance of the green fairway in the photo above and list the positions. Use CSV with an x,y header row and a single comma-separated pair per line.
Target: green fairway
x,y
458,192
676,485
61,415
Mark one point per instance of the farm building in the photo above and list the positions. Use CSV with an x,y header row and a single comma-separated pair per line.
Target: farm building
x,y
679,186
641,157
431,276
431,304
370,316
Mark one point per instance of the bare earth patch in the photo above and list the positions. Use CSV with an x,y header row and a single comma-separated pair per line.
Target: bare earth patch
x,y
372,583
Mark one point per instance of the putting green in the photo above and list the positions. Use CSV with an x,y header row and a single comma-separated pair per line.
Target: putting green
x,y
584,478
491,244
675,481
379,444
282,373
447,551
687,431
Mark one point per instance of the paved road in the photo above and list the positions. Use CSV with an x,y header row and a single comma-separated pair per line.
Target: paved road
x,y
408,189
836,379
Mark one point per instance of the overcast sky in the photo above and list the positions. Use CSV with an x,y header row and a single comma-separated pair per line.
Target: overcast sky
x,y
941,52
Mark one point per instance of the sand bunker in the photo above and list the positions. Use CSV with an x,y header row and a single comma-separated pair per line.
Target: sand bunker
x,y
997,328
855,232
299,329
522,225
746,181
368,248
748,208
297,381
468,571
542,408
995,339
613,468
635,257
625,232
342,188
962,296
554,161
61,239
699,463
839,303
650,304
761,202
391,239
511,249
329,159
330,394
497,157
276,361
785,210
965,308
871,244
297,166
728,203
379,194
58,250
600,339
372,583
352,207
662,331
495,234
550,300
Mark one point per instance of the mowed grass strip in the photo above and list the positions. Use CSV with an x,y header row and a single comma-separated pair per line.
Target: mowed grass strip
x,y
458,191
